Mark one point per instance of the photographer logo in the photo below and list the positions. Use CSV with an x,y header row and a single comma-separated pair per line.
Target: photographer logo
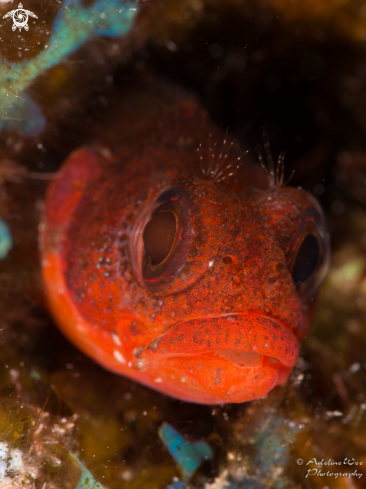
x,y
20,17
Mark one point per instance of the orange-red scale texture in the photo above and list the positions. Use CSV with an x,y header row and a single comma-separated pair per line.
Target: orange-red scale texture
x,y
233,292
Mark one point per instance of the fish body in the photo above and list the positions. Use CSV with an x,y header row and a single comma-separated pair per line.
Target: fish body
x,y
164,265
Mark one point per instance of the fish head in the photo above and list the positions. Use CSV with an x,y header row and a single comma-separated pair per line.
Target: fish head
x,y
235,289
179,280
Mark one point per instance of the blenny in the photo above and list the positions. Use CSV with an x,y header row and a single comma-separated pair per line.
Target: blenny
x,y
172,259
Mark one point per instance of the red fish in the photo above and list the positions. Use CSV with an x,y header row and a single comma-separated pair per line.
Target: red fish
x,y
175,262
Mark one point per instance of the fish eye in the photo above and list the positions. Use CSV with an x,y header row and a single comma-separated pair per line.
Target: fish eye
x,y
307,259
159,235
161,240
309,256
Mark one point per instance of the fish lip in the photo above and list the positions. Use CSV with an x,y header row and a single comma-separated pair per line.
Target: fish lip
x,y
188,338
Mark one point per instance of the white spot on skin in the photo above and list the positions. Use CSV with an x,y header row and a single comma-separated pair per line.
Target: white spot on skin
x,y
80,328
158,380
211,263
116,339
137,351
140,365
118,356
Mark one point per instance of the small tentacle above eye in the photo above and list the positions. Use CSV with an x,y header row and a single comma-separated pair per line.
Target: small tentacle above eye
x,y
275,172
215,164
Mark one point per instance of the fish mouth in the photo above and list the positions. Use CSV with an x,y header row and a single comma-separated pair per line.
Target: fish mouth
x,y
244,335
231,358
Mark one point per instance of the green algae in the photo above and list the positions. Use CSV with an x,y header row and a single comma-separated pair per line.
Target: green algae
x,y
74,25
32,450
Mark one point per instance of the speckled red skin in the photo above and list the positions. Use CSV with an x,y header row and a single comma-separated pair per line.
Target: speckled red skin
x,y
169,338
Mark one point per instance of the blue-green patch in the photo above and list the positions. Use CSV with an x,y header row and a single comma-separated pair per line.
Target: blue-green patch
x,y
72,27
6,242
189,455
86,480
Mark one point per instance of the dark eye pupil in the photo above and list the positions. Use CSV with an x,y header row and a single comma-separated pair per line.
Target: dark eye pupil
x,y
306,260
158,236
